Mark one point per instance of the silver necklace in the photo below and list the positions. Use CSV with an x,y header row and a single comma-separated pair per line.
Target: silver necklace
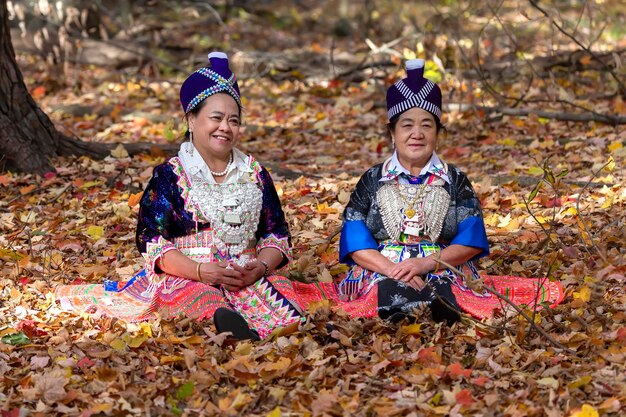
x,y
432,208
221,174
233,210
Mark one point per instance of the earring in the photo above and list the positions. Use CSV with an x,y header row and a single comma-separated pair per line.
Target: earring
x,y
190,150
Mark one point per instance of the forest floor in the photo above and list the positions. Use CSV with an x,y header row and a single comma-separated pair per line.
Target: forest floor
x,y
318,134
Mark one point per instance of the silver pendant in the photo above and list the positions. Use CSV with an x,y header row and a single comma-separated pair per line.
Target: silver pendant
x,y
412,230
230,202
232,218
231,240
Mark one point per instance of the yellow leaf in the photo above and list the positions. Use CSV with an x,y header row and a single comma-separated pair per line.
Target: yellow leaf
x,y
615,146
170,359
507,142
118,344
275,412
610,164
146,329
90,184
584,294
137,341
325,209
119,152
586,411
608,202
95,232
10,254
572,211
491,220
412,329
408,54
535,171
580,382
513,225
504,221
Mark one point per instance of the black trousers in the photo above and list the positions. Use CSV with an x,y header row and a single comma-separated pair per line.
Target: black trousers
x,y
396,300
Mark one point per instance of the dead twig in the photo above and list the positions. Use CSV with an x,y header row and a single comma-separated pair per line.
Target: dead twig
x,y
570,117
333,234
620,84
582,220
516,308
461,313
59,194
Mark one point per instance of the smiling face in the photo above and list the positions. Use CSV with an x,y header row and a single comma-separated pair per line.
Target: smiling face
x,y
215,126
415,136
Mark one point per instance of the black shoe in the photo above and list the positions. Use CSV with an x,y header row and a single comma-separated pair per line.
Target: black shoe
x,y
444,312
227,320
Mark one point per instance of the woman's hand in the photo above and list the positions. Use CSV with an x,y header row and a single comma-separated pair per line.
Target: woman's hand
x,y
411,271
250,272
218,273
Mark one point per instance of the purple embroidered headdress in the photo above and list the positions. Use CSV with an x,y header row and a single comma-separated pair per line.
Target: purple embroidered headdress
x,y
208,81
414,91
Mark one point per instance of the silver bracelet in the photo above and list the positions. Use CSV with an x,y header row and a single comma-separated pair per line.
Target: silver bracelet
x,y
267,268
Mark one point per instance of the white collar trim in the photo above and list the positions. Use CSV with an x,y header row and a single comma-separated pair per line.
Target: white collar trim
x,y
392,168
194,164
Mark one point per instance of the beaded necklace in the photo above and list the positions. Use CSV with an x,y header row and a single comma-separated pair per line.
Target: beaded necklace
x,y
221,174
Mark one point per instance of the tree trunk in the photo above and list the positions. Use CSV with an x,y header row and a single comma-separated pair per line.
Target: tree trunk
x,y
28,139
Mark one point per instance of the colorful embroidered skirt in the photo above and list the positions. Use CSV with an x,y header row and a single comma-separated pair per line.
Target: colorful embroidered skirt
x,y
276,302
360,296
266,305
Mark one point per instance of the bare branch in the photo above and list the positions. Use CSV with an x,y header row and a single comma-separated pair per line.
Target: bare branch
x,y
570,117
516,308
620,84
583,220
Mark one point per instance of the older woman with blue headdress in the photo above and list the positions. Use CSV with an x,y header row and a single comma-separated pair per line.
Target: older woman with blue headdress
x,y
410,218
210,227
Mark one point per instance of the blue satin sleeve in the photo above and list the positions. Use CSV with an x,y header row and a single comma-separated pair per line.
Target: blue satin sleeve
x,y
354,236
471,232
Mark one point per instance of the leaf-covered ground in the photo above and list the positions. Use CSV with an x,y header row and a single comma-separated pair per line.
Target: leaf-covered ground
x,y
77,225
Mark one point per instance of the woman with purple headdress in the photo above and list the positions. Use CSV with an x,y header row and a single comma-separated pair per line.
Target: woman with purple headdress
x,y
410,218
210,227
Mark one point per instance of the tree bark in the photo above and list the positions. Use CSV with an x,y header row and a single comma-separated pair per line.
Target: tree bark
x,y
28,139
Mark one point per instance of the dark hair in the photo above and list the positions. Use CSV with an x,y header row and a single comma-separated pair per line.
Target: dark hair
x,y
197,109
